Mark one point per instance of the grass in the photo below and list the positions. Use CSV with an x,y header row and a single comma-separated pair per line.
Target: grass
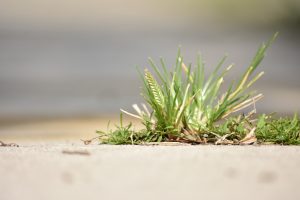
x,y
278,131
185,105
126,135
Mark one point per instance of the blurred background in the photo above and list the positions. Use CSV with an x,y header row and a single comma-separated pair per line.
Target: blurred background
x,y
76,59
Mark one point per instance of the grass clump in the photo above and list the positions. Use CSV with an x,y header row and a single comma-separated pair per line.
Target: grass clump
x,y
278,131
124,134
188,106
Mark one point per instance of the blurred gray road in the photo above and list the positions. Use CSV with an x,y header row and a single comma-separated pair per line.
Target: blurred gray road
x,y
48,73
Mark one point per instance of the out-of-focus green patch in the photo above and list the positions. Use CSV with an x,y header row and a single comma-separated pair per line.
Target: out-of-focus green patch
x,y
278,131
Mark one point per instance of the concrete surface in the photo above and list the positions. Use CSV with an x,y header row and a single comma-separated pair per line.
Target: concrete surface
x,y
43,171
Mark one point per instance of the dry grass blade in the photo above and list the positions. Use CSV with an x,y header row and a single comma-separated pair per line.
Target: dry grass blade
x,y
250,138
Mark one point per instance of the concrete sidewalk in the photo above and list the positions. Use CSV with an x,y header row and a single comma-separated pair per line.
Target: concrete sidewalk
x,y
74,171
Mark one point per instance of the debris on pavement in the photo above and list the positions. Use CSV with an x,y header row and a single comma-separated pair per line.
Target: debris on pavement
x,y
76,152
2,144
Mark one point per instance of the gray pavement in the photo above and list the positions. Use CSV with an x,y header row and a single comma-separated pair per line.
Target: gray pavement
x,y
68,170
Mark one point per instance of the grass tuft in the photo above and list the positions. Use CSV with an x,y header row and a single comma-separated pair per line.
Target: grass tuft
x,y
185,105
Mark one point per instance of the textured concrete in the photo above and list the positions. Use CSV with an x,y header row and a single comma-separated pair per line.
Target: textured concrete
x,y
74,171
